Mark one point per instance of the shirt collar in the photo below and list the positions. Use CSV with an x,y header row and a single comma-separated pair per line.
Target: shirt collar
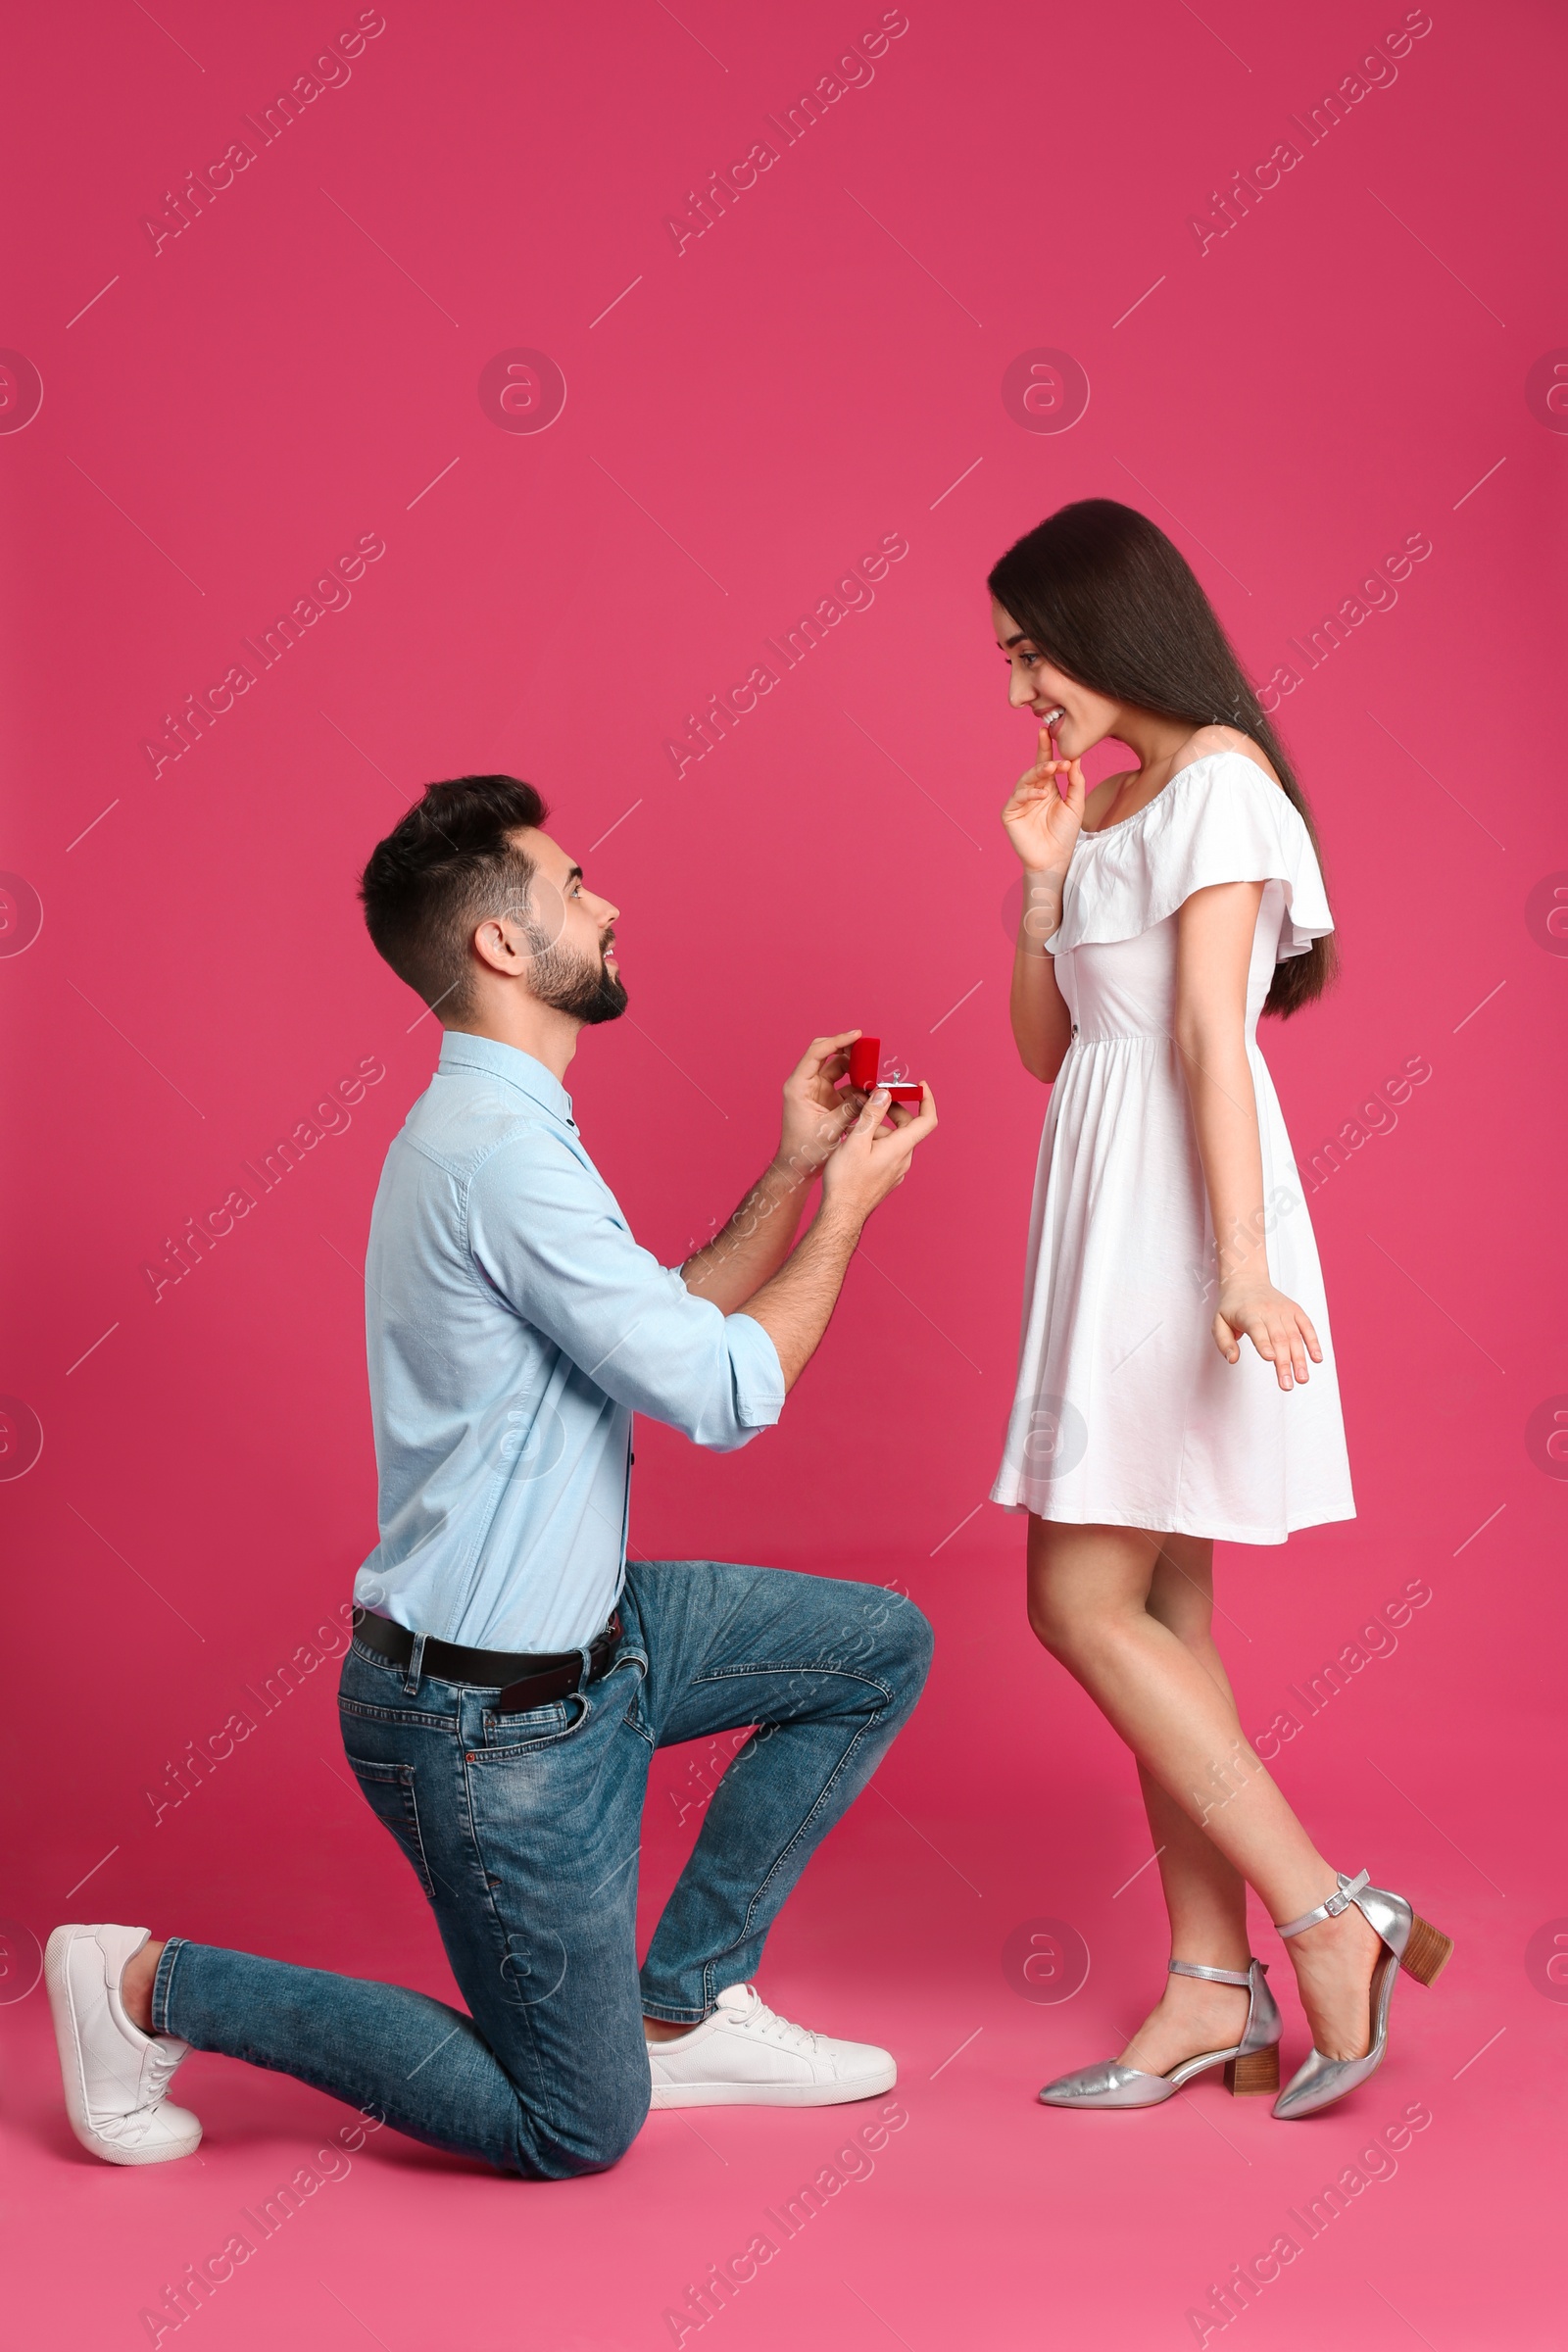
x,y
459,1051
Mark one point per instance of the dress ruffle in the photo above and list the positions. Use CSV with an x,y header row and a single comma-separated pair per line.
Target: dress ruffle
x,y
1220,819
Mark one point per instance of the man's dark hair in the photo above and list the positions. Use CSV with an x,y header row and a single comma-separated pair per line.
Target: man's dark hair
x,y
443,869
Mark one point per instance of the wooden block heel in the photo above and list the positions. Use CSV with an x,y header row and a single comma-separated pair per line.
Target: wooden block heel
x,y
1422,1951
1253,2075
1427,1951
1251,2062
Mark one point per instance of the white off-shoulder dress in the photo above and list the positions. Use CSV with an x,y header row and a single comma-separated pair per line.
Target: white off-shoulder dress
x,y
1126,1414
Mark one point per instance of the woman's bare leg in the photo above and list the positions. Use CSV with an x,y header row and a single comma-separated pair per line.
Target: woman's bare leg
x,y
1204,1894
1102,1600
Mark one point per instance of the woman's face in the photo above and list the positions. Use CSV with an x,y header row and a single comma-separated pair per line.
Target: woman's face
x,y
1077,716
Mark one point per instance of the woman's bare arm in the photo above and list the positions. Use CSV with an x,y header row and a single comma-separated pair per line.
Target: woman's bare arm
x,y
1042,821
1214,945
1042,1025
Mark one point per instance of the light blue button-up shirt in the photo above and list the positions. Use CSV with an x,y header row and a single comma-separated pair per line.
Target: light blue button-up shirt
x,y
513,1327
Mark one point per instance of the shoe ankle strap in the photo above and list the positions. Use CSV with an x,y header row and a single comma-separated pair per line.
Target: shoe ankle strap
x,y
1214,1976
1341,1900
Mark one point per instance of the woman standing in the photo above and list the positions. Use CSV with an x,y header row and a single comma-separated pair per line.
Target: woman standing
x,y
1162,912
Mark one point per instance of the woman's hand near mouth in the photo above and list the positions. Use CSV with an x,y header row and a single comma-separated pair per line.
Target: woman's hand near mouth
x,y
1046,811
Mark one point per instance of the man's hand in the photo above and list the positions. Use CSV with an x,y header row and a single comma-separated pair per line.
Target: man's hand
x,y
817,1109
874,1155
873,1158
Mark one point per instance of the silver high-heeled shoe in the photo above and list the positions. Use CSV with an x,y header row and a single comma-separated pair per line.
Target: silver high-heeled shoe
x,y
1251,2067
1409,1942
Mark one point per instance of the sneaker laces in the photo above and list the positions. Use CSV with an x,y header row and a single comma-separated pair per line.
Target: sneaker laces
x,y
759,2018
161,2062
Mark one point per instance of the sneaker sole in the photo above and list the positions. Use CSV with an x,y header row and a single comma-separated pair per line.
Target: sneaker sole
x,y
774,2095
63,2009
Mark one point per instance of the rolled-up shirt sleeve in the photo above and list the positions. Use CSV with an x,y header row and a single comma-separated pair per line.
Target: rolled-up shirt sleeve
x,y
546,1234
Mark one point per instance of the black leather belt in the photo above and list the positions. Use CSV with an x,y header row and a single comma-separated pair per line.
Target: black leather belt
x,y
524,1679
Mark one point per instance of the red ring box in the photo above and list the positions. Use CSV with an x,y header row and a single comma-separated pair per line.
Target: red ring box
x,y
864,1055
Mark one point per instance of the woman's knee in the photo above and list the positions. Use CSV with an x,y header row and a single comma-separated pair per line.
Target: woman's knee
x,y
1181,1590
1053,1627
1079,1634
1087,1587
1189,1621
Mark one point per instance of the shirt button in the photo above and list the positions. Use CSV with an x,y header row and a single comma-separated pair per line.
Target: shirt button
x,y
1075,1028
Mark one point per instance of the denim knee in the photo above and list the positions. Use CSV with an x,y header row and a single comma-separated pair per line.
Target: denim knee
x,y
909,1644
893,1640
593,2141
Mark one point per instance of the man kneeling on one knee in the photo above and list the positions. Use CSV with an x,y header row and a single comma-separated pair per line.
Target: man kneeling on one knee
x,y
511,1673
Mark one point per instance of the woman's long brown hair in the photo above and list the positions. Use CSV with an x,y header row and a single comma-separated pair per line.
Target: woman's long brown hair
x,y
1105,597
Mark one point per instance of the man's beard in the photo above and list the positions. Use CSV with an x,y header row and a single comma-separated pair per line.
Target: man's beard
x,y
571,985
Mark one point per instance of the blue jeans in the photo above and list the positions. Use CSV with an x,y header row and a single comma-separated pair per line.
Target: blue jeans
x,y
522,1830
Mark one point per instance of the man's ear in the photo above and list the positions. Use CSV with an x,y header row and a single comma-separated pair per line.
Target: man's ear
x,y
501,944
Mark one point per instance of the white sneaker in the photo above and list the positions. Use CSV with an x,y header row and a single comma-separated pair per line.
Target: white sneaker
x,y
115,2075
742,2055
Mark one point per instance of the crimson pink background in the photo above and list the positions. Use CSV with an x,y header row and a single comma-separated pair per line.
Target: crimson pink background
x,y
1351,363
